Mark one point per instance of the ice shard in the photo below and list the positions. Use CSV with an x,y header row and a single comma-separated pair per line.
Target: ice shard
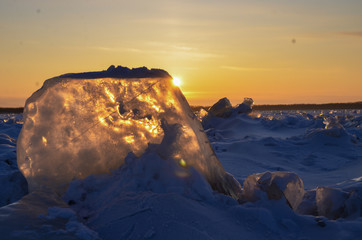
x,y
276,185
82,124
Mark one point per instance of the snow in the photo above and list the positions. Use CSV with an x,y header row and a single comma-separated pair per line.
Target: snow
x,y
293,141
13,184
42,215
301,169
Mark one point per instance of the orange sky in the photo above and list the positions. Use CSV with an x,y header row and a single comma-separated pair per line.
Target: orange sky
x,y
273,51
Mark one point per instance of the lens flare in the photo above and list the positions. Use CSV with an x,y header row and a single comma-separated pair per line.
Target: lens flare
x,y
182,163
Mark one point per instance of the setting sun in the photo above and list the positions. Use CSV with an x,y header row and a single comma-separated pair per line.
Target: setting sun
x,y
176,81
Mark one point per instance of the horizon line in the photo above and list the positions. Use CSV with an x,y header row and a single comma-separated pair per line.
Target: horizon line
x,y
292,106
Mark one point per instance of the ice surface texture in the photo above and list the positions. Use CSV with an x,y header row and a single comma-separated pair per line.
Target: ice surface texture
x,y
82,124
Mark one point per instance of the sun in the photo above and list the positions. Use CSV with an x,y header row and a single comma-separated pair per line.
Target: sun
x,y
176,81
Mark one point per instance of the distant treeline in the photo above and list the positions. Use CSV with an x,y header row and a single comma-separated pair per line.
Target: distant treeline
x,y
355,105
11,110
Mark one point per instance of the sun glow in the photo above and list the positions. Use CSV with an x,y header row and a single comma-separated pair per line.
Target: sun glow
x,y
176,81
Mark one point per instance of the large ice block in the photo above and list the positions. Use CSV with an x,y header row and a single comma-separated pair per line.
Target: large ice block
x,y
82,124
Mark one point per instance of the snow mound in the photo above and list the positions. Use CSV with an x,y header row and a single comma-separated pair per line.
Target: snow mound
x,y
276,185
42,215
82,124
147,174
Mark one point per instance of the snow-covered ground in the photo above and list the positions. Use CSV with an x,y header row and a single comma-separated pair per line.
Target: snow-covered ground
x,y
322,147
13,184
143,199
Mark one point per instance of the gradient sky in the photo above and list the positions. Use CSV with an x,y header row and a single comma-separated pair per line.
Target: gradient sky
x,y
274,51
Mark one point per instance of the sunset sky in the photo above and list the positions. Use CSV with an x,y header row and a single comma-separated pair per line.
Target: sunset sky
x,y
274,51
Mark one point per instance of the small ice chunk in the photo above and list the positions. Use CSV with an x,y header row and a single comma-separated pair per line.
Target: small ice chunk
x,y
331,202
308,205
353,206
221,109
332,122
245,107
276,185
201,114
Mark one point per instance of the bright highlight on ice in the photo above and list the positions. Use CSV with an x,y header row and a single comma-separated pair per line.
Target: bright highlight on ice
x,y
176,81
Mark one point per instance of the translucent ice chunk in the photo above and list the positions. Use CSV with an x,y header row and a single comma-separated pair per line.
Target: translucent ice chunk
x,y
331,122
201,114
221,109
331,202
245,107
82,124
276,185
